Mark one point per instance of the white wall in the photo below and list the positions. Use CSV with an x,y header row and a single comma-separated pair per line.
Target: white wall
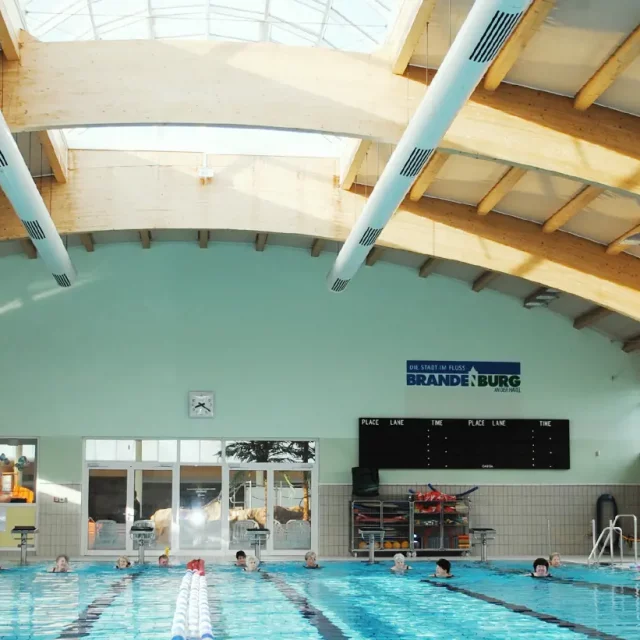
x,y
117,354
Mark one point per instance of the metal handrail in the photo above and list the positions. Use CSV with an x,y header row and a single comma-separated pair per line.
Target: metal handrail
x,y
608,534
635,533
593,556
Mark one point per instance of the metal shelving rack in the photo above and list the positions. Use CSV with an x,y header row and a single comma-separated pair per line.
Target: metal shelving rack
x,y
414,526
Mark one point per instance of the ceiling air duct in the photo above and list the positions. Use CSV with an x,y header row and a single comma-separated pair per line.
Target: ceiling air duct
x,y
22,193
486,29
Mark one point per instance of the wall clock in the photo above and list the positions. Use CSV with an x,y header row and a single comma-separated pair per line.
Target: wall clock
x,y
201,404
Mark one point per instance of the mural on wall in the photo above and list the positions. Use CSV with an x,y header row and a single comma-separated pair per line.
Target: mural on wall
x,y
501,377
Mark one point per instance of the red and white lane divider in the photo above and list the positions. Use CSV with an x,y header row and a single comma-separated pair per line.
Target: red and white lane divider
x,y
192,618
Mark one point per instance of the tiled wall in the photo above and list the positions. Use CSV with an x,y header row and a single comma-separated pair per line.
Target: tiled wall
x,y
519,513
58,523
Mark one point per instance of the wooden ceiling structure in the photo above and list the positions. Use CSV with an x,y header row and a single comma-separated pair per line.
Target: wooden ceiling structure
x,y
583,242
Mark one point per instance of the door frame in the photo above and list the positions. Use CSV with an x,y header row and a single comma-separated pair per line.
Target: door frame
x,y
130,468
271,468
226,467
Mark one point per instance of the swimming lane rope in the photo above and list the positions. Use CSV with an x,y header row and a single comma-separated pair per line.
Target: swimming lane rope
x,y
192,618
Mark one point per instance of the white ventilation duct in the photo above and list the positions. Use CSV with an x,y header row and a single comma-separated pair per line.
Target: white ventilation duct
x,y
487,27
22,193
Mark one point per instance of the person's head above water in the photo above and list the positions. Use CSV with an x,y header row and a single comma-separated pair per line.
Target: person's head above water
x,y
252,563
443,568
241,558
62,564
399,562
310,559
163,560
123,563
554,560
540,568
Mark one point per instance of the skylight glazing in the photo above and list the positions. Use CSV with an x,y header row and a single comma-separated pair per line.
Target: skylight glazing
x,y
351,25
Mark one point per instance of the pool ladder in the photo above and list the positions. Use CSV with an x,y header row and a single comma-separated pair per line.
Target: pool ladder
x,y
606,539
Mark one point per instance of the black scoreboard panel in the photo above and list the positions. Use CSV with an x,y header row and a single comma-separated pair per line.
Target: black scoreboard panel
x,y
433,443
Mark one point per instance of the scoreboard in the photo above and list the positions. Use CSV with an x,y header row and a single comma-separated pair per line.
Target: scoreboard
x,y
470,443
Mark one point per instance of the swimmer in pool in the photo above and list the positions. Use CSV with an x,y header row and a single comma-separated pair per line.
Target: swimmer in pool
x,y
554,560
443,569
163,560
311,560
241,559
540,568
123,562
399,565
62,564
253,564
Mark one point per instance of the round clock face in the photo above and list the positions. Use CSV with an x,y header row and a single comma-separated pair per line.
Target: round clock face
x,y
201,405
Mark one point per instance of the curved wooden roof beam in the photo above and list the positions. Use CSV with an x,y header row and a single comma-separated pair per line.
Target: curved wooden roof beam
x,y
404,34
624,241
12,36
515,45
80,84
499,190
606,75
300,196
580,200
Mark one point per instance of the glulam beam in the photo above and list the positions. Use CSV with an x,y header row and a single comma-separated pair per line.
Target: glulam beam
x,y
317,247
484,280
622,242
500,190
404,33
87,242
632,344
307,89
607,74
590,317
515,45
10,27
29,248
203,238
261,241
351,160
581,200
12,33
374,255
428,175
54,145
427,267
145,238
299,196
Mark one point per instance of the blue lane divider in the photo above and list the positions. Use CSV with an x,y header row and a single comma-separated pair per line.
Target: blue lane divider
x,y
313,615
525,611
83,624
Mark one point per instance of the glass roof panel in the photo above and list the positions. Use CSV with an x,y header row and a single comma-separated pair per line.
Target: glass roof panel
x,y
217,140
352,25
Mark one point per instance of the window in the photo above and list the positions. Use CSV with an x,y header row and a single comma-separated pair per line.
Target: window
x,y
159,451
106,450
131,450
284,451
18,470
200,451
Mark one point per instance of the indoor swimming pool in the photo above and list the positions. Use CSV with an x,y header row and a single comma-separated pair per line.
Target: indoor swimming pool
x,y
343,600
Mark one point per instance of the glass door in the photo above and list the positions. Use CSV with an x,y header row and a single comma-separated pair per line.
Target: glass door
x,y
248,500
276,498
152,497
107,519
292,509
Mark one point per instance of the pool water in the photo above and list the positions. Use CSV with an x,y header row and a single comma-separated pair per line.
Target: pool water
x,y
343,600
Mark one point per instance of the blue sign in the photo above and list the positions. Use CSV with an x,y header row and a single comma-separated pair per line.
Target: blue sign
x,y
500,376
